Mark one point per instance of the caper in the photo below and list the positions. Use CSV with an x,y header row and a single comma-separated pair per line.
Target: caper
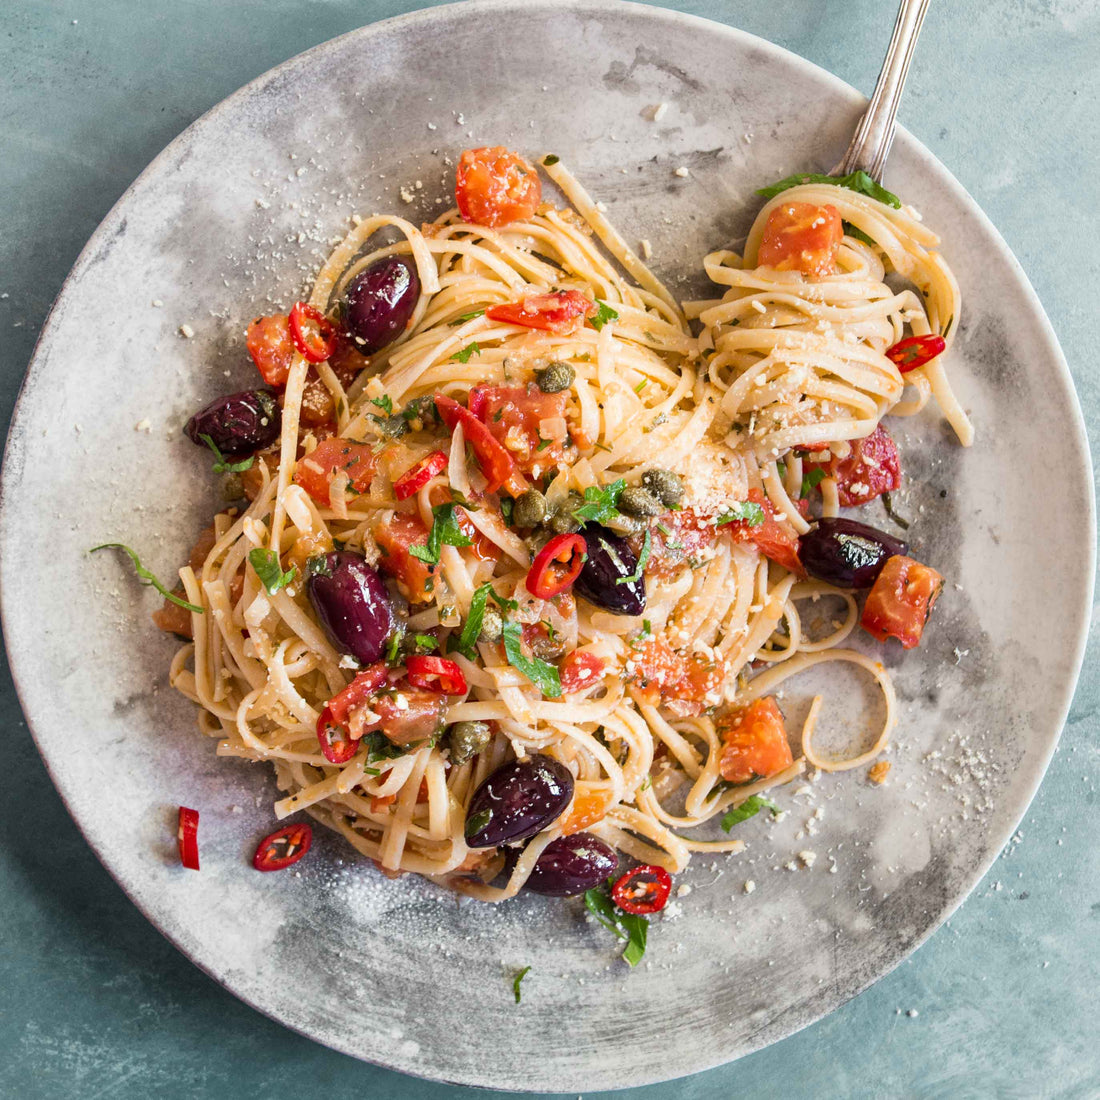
x,y
563,522
392,426
555,377
530,509
466,739
492,626
664,485
232,487
625,525
636,501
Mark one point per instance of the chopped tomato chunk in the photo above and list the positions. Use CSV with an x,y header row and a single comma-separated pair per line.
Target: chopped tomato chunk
x,y
494,186
774,536
901,600
580,670
872,468
495,462
755,743
681,682
556,312
414,577
271,347
589,806
513,415
800,236
316,470
407,716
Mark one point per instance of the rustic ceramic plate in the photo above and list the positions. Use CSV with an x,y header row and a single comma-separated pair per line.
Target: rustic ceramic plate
x,y
229,221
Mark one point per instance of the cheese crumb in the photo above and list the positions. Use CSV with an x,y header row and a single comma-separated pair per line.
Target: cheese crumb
x,y
683,890
808,858
682,172
647,250
186,331
143,426
749,886
877,772
658,112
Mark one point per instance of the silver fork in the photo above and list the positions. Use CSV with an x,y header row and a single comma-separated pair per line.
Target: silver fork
x,y
874,135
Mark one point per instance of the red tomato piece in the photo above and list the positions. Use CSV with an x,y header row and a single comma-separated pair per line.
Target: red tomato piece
x,y
494,186
415,478
271,347
679,537
774,536
755,743
408,717
314,335
800,236
283,847
316,470
662,675
495,462
900,601
414,577
643,890
513,415
187,836
556,566
438,674
337,744
872,468
578,671
589,806
556,312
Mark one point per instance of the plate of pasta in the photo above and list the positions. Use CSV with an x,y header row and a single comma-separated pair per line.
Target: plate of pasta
x,y
591,546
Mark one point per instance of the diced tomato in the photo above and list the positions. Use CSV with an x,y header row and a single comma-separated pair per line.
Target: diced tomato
x,y
682,682
495,462
316,470
513,414
436,674
359,691
800,236
580,670
271,347
901,600
589,806
775,537
414,577
407,717
872,468
556,312
494,186
679,537
416,477
755,743
380,802
338,743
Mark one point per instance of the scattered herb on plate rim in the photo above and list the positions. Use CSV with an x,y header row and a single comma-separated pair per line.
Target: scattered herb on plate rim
x,y
146,576
516,982
749,808
633,929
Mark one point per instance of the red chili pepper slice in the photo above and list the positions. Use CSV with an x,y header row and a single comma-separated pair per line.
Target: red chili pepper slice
x,y
643,890
314,335
556,566
188,837
419,475
436,674
496,463
283,847
337,744
556,312
915,351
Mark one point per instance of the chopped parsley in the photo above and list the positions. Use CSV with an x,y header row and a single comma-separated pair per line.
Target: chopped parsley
x,y
551,160
888,504
380,747
604,314
269,570
744,511
503,602
220,464
544,676
857,181
641,385
462,318
627,926
384,403
426,641
463,356
543,444
516,981
445,532
471,628
393,647
600,504
146,576
811,481
749,808
643,557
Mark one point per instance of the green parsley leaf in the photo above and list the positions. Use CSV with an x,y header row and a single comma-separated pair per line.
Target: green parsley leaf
x,y
744,510
471,628
811,481
445,531
604,314
380,747
517,979
601,906
647,545
858,181
384,403
268,569
372,771
146,576
543,444
888,504
503,602
641,385
627,926
223,467
463,356
462,318
426,641
506,507
947,327
637,929
544,676
749,808
602,447
550,160
393,647
600,504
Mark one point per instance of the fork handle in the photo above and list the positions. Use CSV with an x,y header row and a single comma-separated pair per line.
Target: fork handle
x,y
875,132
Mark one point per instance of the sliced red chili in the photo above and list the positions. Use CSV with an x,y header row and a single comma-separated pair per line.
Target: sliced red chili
x,y
495,462
314,335
188,837
556,312
556,566
915,351
283,847
337,744
414,479
643,890
436,674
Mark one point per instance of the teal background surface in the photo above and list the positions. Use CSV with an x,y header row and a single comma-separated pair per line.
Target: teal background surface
x,y
1003,1001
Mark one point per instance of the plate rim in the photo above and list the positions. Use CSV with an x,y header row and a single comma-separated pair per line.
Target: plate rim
x,y
775,53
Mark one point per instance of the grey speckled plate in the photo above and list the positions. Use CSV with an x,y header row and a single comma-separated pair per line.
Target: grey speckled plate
x,y
231,218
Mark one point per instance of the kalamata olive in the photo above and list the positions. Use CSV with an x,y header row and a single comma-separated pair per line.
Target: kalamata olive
x,y
517,801
609,561
847,553
238,423
570,865
351,602
380,301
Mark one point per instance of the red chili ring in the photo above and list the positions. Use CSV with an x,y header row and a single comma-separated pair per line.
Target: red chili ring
x,y
643,890
546,577
283,847
438,674
416,477
337,745
915,351
314,335
188,837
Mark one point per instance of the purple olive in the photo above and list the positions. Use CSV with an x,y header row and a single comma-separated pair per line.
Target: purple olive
x,y
517,801
380,301
846,553
570,865
351,602
607,565
238,423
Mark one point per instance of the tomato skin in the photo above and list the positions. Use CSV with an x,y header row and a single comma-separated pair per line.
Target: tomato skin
x,y
418,715
579,670
512,414
494,186
799,236
901,600
414,577
556,312
271,347
496,463
774,537
315,471
872,468
663,675
755,743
